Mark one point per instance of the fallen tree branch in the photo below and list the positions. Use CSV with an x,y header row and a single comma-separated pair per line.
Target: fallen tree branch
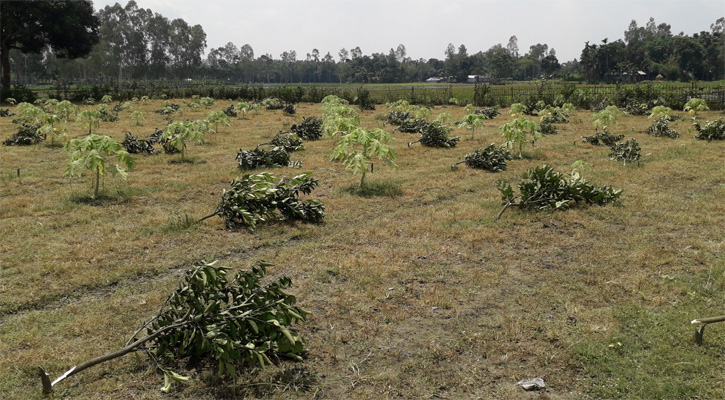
x,y
700,331
45,378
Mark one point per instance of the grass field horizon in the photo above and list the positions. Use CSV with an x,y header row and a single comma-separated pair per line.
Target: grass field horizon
x,y
419,294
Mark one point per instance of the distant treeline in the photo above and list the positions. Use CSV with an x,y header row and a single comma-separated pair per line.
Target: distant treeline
x,y
632,97
139,44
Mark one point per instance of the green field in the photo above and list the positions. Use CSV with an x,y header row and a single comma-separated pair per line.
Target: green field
x,y
419,295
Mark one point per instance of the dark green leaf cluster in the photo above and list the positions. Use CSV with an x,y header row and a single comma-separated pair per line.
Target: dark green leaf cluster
x,y
556,115
488,112
435,134
636,108
545,189
261,197
397,117
108,116
661,128
273,103
413,125
260,158
290,142
26,135
627,151
604,138
5,112
493,158
168,145
168,109
309,129
289,109
712,130
363,100
231,111
547,127
134,145
237,322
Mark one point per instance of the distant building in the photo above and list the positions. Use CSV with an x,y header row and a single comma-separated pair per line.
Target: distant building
x,y
478,78
441,79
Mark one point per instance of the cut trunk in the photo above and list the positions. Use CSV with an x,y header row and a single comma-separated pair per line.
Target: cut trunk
x,y
98,180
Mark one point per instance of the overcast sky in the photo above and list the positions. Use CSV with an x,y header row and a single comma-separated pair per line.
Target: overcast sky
x,y
426,27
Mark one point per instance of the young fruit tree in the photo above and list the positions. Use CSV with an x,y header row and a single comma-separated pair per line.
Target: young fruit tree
x,y
472,121
517,131
90,119
606,118
216,118
696,105
90,152
357,148
178,134
216,320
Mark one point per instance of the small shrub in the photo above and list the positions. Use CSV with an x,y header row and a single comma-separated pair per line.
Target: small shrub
x,y
168,109
488,112
413,125
5,112
272,103
231,111
257,198
493,158
604,138
397,117
260,158
546,127
290,142
712,130
289,109
661,128
435,134
627,151
363,100
25,136
636,108
106,115
309,129
545,189
134,145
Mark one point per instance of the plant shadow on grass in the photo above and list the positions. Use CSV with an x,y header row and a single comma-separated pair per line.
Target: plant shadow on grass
x,y
54,145
117,196
283,380
189,160
374,189
179,223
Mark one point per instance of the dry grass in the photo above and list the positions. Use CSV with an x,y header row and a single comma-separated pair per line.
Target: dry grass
x,y
419,295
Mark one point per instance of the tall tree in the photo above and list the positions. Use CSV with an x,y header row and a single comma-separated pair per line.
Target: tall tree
x,y
68,27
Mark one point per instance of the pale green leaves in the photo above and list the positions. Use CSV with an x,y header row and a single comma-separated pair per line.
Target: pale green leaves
x,y
90,119
660,112
606,118
696,105
90,153
178,134
517,131
357,146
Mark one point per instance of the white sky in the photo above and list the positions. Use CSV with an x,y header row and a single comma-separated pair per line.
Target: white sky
x,y
426,27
